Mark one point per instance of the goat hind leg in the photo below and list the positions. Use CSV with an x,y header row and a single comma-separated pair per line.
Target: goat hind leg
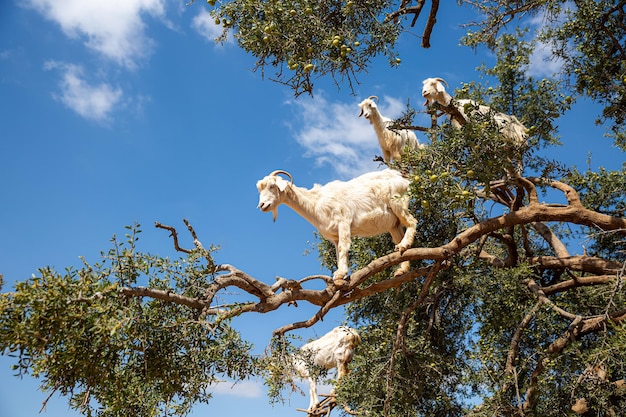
x,y
401,211
397,235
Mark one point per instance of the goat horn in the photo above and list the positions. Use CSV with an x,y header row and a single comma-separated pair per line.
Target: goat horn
x,y
373,97
442,81
280,171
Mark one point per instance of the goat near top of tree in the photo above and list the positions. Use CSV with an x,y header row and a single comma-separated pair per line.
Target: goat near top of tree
x,y
459,111
393,141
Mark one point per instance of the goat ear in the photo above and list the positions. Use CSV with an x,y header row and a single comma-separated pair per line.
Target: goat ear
x,y
282,184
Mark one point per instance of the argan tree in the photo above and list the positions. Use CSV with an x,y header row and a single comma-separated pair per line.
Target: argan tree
x,y
495,317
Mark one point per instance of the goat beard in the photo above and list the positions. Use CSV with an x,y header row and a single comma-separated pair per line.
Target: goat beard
x,y
275,213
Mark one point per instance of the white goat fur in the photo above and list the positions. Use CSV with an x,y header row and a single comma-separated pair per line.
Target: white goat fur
x,y
333,350
369,205
511,128
392,141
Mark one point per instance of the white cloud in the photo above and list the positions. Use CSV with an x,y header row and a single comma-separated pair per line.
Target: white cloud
x,y
113,28
205,25
91,101
244,389
334,135
543,63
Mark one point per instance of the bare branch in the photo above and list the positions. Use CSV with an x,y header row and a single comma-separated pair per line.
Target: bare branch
x,y
430,24
548,235
174,235
162,295
536,289
403,10
514,345
402,329
553,350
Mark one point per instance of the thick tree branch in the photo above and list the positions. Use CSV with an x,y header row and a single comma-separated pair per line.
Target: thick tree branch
x,y
430,24
578,282
589,264
271,297
548,235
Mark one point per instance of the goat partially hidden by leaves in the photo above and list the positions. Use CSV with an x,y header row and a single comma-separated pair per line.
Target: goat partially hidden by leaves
x,y
333,350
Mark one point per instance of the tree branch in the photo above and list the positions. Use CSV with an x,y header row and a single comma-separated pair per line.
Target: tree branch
x,y
174,235
553,350
430,23
402,330
269,298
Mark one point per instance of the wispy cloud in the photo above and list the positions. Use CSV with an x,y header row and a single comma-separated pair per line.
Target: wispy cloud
x,y
333,134
113,28
204,24
244,389
116,30
543,63
91,101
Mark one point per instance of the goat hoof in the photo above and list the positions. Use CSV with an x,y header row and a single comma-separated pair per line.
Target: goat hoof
x,y
340,283
399,272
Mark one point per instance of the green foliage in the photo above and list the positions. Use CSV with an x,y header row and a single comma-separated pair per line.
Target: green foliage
x,y
478,330
278,368
456,344
303,39
586,36
423,373
113,355
590,40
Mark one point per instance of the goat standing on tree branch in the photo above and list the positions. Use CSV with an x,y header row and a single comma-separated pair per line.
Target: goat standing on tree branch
x,y
369,205
433,91
333,350
393,142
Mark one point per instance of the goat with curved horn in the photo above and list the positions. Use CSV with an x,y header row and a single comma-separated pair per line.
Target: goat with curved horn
x,y
369,205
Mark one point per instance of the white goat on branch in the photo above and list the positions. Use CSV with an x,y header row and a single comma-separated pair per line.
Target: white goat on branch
x,y
393,142
510,127
369,205
333,350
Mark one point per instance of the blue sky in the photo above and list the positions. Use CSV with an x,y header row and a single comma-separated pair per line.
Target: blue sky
x,y
126,111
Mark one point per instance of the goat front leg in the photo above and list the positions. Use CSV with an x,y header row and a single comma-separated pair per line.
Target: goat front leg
x,y
342,247
312,393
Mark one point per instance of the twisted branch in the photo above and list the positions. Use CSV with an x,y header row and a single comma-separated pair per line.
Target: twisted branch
x,y
271,297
